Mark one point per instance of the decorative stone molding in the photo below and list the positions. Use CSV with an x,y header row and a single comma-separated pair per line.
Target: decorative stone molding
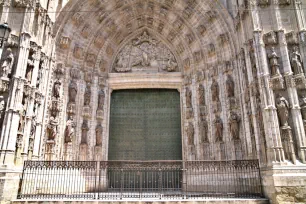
x,y
263,3
300,81
78,52
303,36
4,85
270,38
211,16
65,42
211,49
189,113
75,73
91,60
187,79
201,30
24,3
290,82
223,39
200,76
277,83
87,112
292,38
86,31
284,2
77,19
198,56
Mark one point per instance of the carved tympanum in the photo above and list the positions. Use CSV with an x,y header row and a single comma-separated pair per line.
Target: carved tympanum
x,y
283,110
145,53
7,64
296,61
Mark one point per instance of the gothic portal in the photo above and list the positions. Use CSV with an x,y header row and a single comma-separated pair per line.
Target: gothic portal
x,y
100,80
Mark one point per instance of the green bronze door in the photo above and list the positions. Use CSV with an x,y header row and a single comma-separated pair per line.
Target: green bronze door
x,y
145,124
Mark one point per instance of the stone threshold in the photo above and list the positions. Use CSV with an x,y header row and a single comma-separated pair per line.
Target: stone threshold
x,y
148,201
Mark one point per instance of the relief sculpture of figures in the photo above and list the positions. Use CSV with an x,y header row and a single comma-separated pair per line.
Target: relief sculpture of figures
x,y
22,113
214,90
101,98
230,86
296,61
282,106
273,59
99,132
56,89
218,129
7,64
190,134
69,131
188,98
52,128
85,130
201,95
87,96
73,90
234,121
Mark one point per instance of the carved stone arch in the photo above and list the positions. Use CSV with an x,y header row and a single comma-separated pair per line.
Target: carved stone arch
x,y
153,34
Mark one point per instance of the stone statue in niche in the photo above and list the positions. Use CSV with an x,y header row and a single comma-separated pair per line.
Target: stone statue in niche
x,y
282,106
204,131
215,90
52,128
273,60
33,126
201,92
85,130
56,89
2,111
69,131
296,61
144,53
190,134
303,106
30,67
234,122
87,96
7,64
101,99
218,129
188,98
22,114
99,134
230,86
73,90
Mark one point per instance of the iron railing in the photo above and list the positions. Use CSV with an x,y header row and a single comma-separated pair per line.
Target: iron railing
x,y
140,179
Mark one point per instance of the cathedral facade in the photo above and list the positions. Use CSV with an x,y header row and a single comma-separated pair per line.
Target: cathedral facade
x,y
222,81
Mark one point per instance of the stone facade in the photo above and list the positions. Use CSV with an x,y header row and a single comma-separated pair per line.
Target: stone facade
x,y
238,65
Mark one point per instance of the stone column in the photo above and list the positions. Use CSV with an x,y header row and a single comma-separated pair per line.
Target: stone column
x,y
292,91
11,121
30,107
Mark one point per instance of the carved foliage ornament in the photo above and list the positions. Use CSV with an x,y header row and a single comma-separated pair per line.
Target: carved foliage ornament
x,y
145,53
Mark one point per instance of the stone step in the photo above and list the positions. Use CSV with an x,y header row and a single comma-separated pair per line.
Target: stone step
x,y
147,201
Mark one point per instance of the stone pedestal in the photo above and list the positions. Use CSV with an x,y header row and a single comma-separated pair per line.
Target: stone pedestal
x,y
300,81
100,114
98,153
49,152
288,146
68,151
277,82
83,152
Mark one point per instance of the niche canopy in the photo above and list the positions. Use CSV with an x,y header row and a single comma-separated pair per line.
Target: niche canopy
x,y
145,53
